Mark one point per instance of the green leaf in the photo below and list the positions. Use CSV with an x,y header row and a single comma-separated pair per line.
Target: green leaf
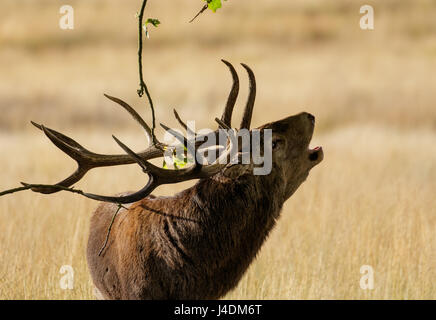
x,y
179,162
214,5
154,22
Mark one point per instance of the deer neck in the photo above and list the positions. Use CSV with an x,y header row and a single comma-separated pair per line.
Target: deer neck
x,y
237,215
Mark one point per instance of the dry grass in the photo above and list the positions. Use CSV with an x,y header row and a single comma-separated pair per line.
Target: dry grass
x,y
371,202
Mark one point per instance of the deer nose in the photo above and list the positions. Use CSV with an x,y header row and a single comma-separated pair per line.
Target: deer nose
x,y
311,117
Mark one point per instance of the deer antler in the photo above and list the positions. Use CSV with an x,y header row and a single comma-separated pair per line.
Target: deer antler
x,y
248,112
233,95
87,160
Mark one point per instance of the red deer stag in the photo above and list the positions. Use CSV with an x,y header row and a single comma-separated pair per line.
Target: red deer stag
x,y
198,243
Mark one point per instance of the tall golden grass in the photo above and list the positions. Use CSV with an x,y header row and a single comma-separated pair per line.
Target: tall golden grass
x,y
370,202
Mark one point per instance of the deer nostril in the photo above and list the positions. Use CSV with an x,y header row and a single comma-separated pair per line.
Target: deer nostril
x,y
311,118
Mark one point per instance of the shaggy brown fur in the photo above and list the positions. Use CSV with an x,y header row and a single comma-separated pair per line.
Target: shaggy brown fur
x,y
198,243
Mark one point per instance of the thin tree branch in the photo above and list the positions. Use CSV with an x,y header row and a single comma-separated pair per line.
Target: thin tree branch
x,y
199,12
142,86
14,190
110,228
27,186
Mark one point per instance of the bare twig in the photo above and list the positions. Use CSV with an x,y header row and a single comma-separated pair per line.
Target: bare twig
x,y
28,186
49,188
14,190
142,86
110,228
199,12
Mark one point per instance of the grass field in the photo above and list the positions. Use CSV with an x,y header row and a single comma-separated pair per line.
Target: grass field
x,y
370,202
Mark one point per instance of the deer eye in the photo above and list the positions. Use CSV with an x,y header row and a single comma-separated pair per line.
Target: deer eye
x,y
276,143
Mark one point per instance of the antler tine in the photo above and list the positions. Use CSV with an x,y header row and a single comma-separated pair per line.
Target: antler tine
x,y
141,194
142,163
199,137
82,155
194,172
183,124
189,145
158,176
180,120
233,95
177,135
87,160
248,112
222,124
134,114
72,149
59,135
145,191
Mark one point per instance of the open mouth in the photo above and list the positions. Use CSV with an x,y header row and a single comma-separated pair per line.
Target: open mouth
x,y
316,154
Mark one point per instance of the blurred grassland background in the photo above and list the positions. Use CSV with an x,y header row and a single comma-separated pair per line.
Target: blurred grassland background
x,y
370,202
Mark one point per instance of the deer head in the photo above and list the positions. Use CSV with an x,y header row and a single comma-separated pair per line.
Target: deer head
x,y
291,156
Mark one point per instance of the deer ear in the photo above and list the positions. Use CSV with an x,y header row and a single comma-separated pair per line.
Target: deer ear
x,y
234,171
